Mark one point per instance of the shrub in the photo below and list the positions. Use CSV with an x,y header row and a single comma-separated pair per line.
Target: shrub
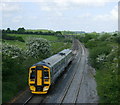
x,y
12,70
12,51
12,57
98,55
38,48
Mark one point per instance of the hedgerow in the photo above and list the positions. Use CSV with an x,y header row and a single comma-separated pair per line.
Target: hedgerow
x,y
7,37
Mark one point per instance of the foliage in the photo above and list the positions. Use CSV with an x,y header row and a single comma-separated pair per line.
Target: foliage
x,y
21,30
17,59
25,36
7,37
11,51
59,46
68,32
12,70
11,54
8,30
103,57
38,48
15,63
15,42
58,33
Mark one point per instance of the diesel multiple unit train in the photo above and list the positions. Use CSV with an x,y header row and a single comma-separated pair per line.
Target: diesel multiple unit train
x,y
44,73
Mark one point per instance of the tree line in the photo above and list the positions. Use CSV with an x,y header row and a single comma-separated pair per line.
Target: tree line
x,y
22,30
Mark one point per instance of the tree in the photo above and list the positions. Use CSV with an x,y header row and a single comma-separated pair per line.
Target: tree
x,y
21,30
38,48
58,33
8,30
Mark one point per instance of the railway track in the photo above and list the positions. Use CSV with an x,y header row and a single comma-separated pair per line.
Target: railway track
x,y
26,102
67,92
42,99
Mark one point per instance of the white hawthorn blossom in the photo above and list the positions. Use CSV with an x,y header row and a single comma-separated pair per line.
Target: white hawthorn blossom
x,y
38,47
101,57
12,51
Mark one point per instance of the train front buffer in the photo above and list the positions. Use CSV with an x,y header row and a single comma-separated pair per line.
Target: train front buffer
x,y
39,79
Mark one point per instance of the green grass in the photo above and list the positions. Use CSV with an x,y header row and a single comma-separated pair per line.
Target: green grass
x,y
38,30
107,86
17,43
59,46
25,36
56,46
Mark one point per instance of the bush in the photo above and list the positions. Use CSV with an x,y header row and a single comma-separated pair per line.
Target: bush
x,y
12,70
38,48
98,55
12,51
12,57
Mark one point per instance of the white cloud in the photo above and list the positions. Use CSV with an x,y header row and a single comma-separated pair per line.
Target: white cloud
x,y
34,17
22,0
57,6
17,19
45,8
8,7
114,12
112,15
104,17
85,15
60,1
65,4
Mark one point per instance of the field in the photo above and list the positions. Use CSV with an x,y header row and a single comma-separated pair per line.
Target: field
x,y
25,36
15,70
54,40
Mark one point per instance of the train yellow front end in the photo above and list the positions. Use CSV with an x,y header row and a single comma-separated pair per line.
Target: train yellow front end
x,y
39,79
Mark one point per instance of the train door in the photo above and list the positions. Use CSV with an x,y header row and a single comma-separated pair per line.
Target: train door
x,y
39,77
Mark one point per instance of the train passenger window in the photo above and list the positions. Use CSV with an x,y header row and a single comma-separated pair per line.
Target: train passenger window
x,y
46,74
32,75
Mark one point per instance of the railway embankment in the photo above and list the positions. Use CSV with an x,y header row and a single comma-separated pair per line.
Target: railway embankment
x,y
104,57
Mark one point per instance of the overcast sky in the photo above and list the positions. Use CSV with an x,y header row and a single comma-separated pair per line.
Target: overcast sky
x,y
74,15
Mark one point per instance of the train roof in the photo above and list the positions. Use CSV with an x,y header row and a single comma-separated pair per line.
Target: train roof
x,y
55,58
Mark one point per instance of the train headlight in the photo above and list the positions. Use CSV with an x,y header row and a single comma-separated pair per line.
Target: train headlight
x,y
45,88
32,88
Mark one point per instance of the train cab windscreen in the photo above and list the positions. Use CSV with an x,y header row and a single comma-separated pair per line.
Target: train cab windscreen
x,y
32,75
46,75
